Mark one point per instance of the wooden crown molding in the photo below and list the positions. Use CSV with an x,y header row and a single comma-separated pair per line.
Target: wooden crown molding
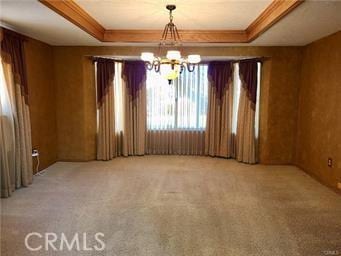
x,y
75,14
272,14
187,36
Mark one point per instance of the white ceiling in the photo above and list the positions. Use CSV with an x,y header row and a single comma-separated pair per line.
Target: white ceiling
x,y
189,14
33,19
308,22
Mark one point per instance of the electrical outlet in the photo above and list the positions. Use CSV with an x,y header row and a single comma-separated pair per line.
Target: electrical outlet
x,y
330,162
35,152
339,185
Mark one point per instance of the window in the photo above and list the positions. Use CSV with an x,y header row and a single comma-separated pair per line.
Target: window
x,y
180,105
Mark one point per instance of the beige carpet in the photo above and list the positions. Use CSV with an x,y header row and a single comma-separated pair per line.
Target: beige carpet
x,y
177,205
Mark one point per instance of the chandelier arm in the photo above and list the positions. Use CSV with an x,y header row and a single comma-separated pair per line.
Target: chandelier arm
x,y
190,67
157,66
149,65
182,67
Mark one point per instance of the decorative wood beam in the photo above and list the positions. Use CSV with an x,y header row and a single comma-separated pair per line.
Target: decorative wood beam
x,y
272,14
213,36
75,14
187,36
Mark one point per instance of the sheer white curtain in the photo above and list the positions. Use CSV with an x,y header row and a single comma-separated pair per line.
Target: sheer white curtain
x,y
191,96
176,112
259,67
179,105
118,93
161,102
7,136
236,95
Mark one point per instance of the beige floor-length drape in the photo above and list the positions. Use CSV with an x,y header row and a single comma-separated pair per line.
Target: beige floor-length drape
x,y
245,138
106,139
107,147
134,108
134,133
218,139
15,126
130,140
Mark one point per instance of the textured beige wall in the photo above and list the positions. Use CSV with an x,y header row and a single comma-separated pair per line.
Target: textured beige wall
x,y
300,113
319,120
71,106
40,77
75,90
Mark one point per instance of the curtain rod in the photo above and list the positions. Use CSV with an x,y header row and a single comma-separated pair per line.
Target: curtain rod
x,y
95,58
260,59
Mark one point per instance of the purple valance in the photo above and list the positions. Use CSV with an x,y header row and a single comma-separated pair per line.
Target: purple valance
x,y
105,77
134,74
219,75
12,52
248,76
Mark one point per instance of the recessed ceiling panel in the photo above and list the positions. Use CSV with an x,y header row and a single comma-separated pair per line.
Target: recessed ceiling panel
x,y
33,19
189,14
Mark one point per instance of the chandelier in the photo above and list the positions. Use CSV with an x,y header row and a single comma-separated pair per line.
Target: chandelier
x,y
173,64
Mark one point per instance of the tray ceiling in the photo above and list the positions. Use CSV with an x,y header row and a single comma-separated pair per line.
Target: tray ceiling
x,y
306,23
189,14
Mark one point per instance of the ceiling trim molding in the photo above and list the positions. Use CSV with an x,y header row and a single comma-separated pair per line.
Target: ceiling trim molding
x,y
187,36
75,14
71,11
272,14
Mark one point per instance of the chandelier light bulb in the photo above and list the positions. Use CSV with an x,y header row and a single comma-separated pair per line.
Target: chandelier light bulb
x,y
147,56
173,55
168,72
194,58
